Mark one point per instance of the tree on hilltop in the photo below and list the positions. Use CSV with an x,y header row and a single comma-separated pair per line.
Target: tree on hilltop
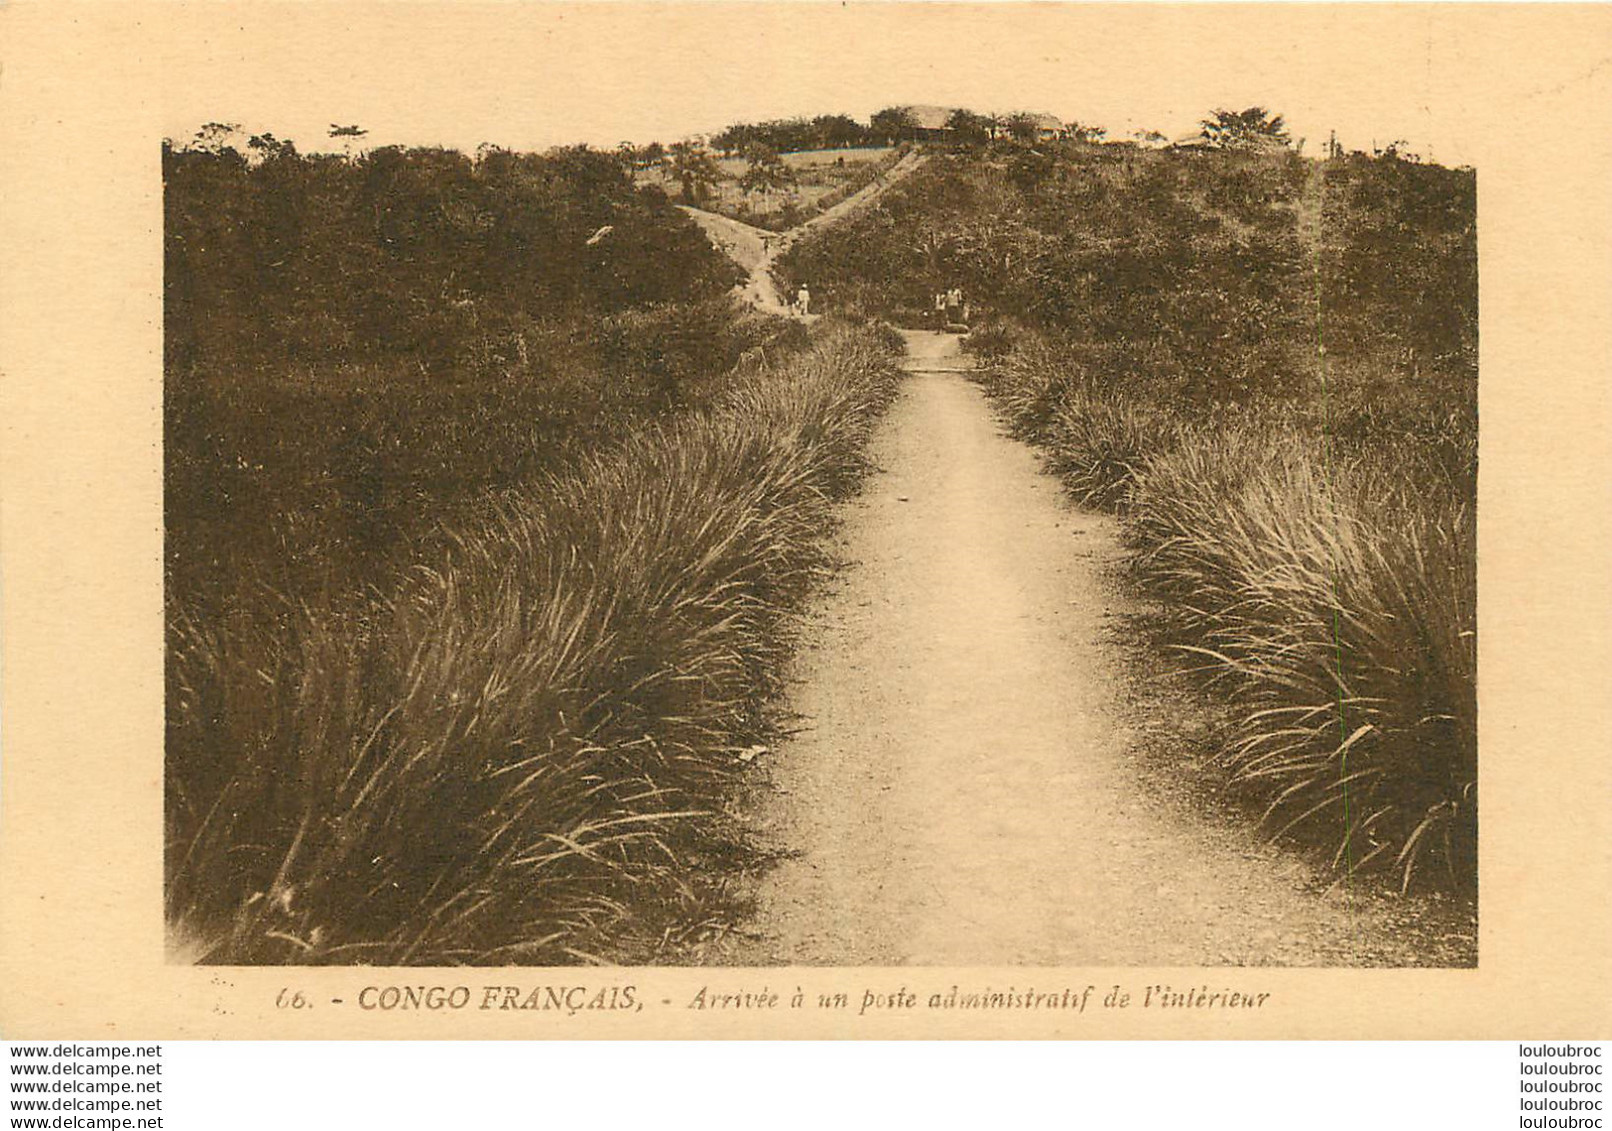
x,y
972,128
351,137
893,124
765,171
694,169
837,131
1253,128
1022,127
266,147
215,137
1397,150
733,138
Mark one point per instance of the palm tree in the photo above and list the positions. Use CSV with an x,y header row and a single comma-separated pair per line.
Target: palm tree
x,y
1253,128
692,167
349,136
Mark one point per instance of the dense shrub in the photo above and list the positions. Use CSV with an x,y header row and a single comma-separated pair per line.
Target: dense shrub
x,y
353,346
515,751
1268,368
1336,602
1218,272
1328,588
320,263
483,499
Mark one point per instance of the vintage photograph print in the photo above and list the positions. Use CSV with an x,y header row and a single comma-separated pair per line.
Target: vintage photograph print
x,y
901,532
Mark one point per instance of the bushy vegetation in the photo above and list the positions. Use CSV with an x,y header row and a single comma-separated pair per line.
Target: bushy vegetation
x,y
353,345
767,188
1268,367
518,750
820,181
1327,587
794,135
1212,272
424,256
1335,600
483,499
886,127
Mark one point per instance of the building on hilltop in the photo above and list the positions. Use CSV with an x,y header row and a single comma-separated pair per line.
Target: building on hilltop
x,y
931,123
1049,127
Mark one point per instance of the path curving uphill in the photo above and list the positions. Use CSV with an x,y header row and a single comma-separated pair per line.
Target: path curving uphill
x,y
966,790
756,249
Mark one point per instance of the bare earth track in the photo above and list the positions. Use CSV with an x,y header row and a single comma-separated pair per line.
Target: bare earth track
x,y
755,249
968,787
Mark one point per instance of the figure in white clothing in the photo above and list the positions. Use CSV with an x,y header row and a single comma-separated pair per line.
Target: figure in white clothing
x,y
803,300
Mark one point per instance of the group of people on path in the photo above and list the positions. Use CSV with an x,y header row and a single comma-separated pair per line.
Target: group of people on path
x,y
950,306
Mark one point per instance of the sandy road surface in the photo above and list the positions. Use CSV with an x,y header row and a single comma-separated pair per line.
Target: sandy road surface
x,y
966,789
751,248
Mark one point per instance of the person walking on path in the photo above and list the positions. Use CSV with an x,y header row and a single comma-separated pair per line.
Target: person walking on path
x,y
803,301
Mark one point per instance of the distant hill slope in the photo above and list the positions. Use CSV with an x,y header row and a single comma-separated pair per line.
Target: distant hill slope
x,y
756,250
1267,366
1212,265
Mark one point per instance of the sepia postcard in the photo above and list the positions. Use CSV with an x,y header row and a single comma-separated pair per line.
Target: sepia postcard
x,y
706,520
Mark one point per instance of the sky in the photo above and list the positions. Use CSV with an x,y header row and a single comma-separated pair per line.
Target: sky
x,y
533,75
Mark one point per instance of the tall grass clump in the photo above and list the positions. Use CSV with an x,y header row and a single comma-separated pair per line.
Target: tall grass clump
x,y
1327,588
1267,366
1094,440
517,750
1336,603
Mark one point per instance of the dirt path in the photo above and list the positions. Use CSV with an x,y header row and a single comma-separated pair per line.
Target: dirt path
x,y
751,248
755,249
909,164
967,790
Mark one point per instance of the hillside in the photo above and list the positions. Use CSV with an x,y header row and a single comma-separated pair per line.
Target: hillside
x,y
484,505
491,515
1267,367
1213,262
